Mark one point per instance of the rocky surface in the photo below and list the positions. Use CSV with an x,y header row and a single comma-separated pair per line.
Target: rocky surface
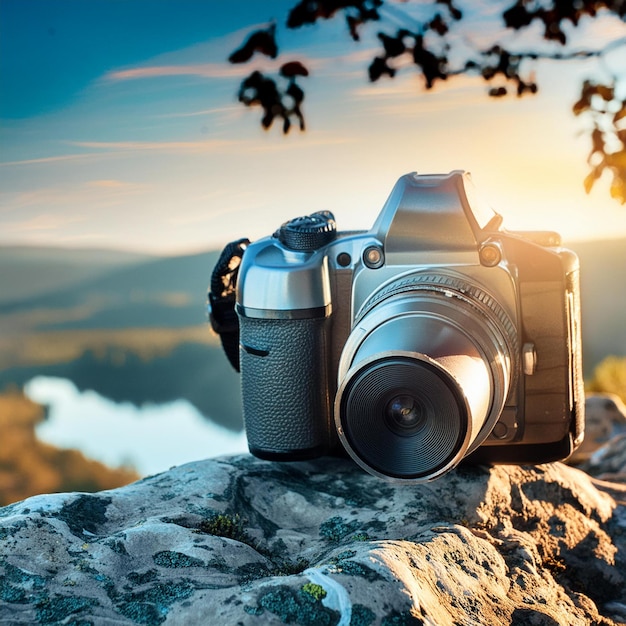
x,y
242,541
605,418
609,461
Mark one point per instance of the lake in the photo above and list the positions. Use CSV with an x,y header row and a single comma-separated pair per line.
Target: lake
x,y
151,438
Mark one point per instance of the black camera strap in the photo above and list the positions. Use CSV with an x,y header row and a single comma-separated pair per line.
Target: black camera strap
x,y
222,314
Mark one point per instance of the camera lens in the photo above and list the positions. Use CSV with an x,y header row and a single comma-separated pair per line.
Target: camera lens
x,y
424,375
404,417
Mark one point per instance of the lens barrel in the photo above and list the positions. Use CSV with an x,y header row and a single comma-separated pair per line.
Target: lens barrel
x,y
423,376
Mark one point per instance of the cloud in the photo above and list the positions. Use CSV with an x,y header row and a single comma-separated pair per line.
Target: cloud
x,y
50,159
110,184
110,148
278,143
225,110
210,70
93,193
407,96
105,149
44,222
204,70
210,145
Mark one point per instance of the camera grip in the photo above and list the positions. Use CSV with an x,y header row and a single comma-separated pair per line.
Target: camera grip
x,y
285,387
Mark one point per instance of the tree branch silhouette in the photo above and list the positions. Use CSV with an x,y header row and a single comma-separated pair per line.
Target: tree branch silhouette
x,y
425,48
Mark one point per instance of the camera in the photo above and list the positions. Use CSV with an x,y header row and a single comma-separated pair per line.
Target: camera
x,y
435,337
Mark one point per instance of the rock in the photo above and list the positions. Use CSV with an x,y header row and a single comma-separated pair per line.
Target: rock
x,y
605,418
242,541
609,461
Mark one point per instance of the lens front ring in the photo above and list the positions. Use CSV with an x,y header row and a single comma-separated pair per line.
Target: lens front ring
x,y
431,442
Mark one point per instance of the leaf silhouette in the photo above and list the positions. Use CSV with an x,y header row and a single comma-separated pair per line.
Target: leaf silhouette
x,y
439,25
378,68
260,90
498,92
394,46
456,14
591,178
293,69
357,13
263,41
517,16
597,141
432,66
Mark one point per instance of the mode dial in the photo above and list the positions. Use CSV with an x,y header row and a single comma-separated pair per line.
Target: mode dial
x,y
308,233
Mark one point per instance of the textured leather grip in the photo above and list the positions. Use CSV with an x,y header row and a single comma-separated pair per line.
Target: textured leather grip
x,y
285,387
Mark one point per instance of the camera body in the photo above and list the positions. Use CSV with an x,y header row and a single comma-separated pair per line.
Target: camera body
x,y
434,337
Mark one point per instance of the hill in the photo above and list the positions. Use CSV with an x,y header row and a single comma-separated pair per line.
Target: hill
x,y
28,271
161,292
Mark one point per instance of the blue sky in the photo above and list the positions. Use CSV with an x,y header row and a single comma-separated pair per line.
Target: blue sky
x,y
119,127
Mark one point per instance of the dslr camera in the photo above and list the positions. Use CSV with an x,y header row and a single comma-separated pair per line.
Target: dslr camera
x,y
435,337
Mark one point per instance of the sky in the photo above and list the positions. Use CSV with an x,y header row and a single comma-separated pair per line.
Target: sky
x,y
120,126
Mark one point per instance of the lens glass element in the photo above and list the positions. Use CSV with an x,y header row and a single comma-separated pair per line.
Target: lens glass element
x,y
404,414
